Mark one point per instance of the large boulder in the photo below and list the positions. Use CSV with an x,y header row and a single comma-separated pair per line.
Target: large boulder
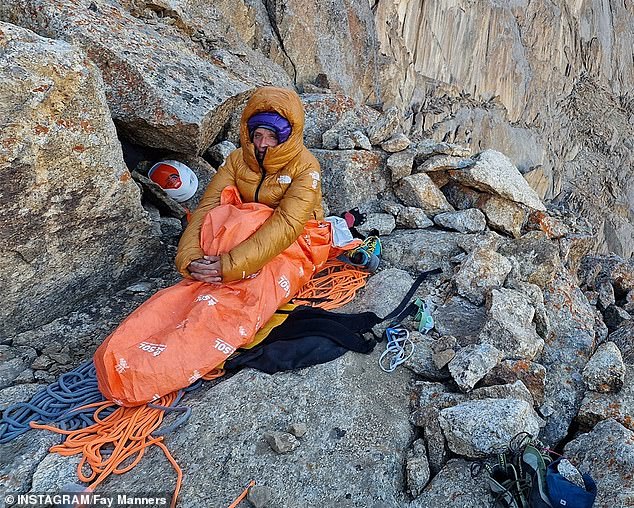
x,y
72,223
478,428
493,172
163,89
420,249
607,453
223,445
351,178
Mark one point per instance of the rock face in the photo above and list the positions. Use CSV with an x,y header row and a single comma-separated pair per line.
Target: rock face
x,y
318,471
502,96
72,222
556,71
167,93
333,47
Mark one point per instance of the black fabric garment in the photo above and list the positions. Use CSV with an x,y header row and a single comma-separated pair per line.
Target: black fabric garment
x,y
305,338
310,336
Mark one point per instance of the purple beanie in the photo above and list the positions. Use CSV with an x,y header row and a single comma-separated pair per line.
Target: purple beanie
x,y
271,121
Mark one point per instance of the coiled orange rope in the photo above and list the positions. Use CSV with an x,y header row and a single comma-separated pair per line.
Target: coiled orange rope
x,y
109,444
333,286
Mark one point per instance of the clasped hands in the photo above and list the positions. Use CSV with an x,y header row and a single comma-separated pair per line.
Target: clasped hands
x,y
206,269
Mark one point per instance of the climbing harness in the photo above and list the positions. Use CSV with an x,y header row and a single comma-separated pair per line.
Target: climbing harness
x,y
399,348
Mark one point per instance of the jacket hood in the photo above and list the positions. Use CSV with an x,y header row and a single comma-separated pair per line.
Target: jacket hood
x,y
288,104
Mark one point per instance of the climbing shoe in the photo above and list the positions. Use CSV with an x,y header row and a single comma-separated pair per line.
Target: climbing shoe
x,y
508,484
365,256
537,463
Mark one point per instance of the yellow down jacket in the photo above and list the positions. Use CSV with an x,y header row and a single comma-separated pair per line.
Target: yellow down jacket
x,y
288,181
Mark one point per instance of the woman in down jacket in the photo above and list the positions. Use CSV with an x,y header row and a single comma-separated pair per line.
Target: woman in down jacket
x,y
277,172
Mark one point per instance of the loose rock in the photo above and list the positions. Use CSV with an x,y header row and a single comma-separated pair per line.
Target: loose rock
x,y
396,143
419,191
384,127
472,363
510,325
493,172
478,428
482,270
260,496
281,442
471,220
605,371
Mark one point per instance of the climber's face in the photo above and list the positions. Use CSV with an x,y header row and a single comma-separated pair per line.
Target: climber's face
x,y
263,139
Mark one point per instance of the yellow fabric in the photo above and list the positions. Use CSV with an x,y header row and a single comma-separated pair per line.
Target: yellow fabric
x,y
288,181
276,320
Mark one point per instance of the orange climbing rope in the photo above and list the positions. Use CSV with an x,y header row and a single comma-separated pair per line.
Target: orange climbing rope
x,y
335,285
108,445
237,500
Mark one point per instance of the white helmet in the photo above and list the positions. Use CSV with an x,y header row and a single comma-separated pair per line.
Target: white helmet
x,y
175,178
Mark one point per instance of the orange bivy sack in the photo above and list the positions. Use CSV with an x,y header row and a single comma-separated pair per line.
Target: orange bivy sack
x,y
185,331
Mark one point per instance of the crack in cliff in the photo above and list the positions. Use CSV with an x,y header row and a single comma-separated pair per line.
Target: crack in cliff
x,y
269,7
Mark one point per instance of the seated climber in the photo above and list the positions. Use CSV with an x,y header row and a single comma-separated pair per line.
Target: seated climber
x,y
255,240
272,167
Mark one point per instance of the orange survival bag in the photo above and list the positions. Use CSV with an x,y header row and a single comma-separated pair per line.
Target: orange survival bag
x,y
185,331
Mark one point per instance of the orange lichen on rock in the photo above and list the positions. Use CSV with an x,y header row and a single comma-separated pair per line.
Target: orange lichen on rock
x,y
86,126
